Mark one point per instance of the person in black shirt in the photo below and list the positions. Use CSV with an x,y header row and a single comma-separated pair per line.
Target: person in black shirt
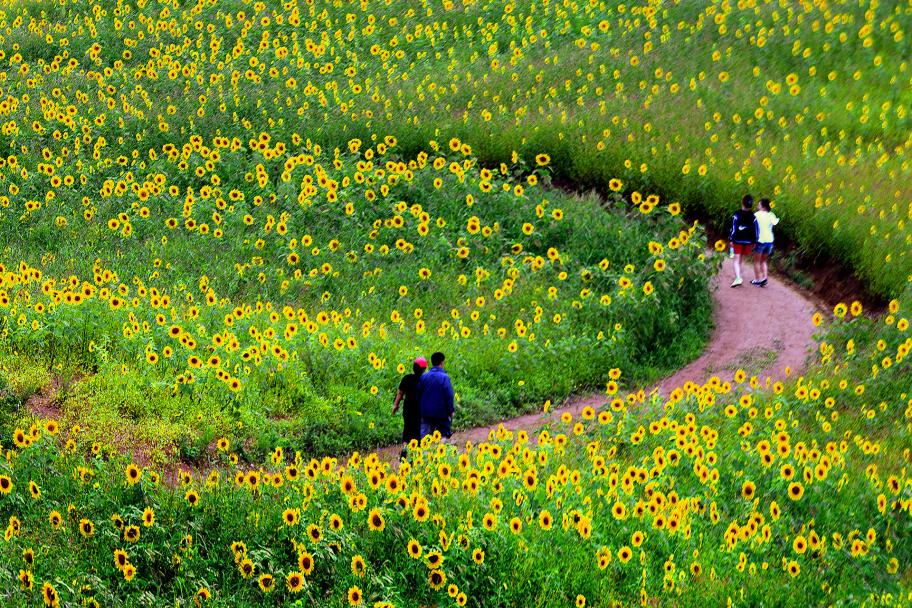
x,y
743,235
411,410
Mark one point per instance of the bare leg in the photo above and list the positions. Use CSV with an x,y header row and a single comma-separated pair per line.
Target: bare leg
x,y
737,264
758,266
765,265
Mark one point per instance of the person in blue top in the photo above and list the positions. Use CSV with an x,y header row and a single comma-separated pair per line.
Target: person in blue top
x,y
435,394
743,235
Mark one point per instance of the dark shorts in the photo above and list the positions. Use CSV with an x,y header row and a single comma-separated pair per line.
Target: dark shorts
x,y
742,249
763,248
429,425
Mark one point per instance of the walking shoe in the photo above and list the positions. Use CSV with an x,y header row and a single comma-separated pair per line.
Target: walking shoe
x,y
762,283
755,282
737,282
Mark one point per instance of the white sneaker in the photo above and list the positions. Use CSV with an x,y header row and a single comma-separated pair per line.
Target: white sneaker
x,y
737,282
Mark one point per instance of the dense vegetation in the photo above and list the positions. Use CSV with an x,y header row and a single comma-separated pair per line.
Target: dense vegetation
x,y
241,278
228,226
294,316
788,494
807,103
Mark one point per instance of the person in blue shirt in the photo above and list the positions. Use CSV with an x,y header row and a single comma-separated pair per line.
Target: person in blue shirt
x,y
435,394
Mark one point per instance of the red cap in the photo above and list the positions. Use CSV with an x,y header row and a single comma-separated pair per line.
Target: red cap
x,y
421,362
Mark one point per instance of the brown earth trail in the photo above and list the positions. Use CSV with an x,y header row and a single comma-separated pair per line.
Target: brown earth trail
x,y
766,331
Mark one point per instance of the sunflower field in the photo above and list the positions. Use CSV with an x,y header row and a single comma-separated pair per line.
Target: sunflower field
x,y
227,227
287,296
181,273
747,492
807,103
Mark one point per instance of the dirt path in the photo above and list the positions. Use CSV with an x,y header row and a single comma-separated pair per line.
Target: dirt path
x,y
763,331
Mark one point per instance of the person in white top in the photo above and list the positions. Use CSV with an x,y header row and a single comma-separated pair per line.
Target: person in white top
x,y
766,219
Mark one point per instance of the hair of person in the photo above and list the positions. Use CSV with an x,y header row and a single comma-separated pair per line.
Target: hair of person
x,y
417,369
765,204
437,358
747,201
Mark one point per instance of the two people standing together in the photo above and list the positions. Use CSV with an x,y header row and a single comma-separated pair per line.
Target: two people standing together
x,y
752,233
427,400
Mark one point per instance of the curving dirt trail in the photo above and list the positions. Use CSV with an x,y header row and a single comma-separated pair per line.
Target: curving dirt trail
x,y
764,331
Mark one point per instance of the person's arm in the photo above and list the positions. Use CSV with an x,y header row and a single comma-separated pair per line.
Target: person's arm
x,y
396,401
756,229
449,396
731,234
400,395
774,219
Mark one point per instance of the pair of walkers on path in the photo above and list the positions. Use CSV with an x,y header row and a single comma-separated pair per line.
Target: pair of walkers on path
x,y
752,233
427,400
